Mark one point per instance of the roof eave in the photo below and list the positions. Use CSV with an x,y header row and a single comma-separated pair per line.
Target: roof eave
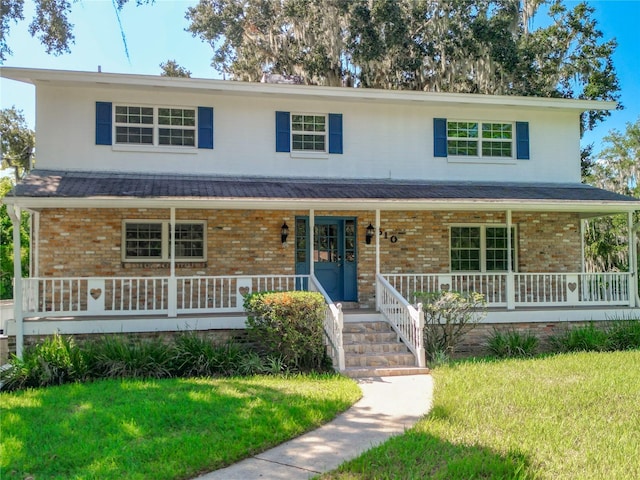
x,y
581,206
103,79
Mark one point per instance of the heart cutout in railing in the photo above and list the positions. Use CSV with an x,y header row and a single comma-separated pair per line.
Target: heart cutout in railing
x,y
95,293
572,286
244,290
445,287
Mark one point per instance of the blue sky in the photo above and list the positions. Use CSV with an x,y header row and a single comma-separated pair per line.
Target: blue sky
x,y
156,33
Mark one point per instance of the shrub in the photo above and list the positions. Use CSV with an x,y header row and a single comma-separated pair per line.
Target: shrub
x,y
54,361
624,334
122,357
585,338
194,356
288,325
512,343
448,317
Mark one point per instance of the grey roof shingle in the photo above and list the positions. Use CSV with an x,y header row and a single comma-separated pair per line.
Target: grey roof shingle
x,y
66,184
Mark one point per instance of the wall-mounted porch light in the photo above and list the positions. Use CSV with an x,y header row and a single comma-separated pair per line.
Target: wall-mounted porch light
x,y
284,232
370,233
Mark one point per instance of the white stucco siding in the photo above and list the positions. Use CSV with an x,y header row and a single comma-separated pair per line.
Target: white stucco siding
x,y
380,140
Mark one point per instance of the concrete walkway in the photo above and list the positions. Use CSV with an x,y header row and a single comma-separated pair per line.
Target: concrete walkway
x,y
389,406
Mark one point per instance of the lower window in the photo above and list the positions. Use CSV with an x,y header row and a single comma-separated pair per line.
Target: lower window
x,y
150,241
481,249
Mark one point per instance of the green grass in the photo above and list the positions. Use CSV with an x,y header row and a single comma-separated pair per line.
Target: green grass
x,y
160,429
572,416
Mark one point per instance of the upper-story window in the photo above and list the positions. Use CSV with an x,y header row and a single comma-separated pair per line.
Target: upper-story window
x,y
478,139
151,126
308,133
155,126
489,141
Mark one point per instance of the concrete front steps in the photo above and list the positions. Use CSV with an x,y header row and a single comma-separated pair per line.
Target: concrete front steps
x,y
372,348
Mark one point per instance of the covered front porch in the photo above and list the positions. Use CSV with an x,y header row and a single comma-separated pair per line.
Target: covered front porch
x,y
114,262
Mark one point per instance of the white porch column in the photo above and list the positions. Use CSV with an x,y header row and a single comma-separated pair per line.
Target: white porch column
x,y
312,227
583,225
511,294
633,282
377,258
172,283
14,214
34,245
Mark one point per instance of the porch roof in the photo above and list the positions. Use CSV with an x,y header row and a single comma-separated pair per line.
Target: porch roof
x,y
56,188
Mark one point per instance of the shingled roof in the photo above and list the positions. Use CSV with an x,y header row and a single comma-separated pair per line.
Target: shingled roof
x,y
65,184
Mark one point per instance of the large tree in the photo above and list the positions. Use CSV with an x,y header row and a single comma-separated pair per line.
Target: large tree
x,y
17,142
616,168
476,46
472,46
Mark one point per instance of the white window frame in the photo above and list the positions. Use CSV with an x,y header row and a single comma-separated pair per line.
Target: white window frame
x,y
155,126
325,134
480,158
483,246
165,239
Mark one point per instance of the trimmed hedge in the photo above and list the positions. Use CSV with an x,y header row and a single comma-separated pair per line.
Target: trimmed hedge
x,y
288,325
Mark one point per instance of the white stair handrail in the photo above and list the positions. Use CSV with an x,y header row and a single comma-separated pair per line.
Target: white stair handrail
x,y
333,324
405,319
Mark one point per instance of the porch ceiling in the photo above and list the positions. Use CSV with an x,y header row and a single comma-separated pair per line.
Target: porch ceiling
x,y
51,189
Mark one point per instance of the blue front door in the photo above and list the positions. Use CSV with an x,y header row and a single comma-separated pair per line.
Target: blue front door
x,y
333,255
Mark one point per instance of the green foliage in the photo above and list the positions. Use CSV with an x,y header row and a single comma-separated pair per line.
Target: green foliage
x,y
469,46
581,339
170,68
624,334
6,243
512,343
288,325
617,170
55,361
118,356
472,46
59,359
448,317
196,356
17,142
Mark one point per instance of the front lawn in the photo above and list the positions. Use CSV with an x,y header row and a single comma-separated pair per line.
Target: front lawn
x,y
160,429
572,416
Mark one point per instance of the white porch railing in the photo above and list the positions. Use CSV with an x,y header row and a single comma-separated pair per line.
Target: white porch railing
x,y
111,296
407,321
146,295
94,296
529,289
221,294
333,324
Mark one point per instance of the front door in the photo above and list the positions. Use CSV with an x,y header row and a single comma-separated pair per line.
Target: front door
x,y
333,255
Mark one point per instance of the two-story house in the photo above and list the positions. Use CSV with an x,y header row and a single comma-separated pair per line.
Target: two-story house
x,y
158,202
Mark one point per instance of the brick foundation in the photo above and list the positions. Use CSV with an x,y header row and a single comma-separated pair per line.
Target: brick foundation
x,y
219,337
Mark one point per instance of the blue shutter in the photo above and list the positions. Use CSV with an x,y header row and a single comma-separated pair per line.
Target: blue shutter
x,y
283,132
205,127
522,140
439,137
335,133
103,123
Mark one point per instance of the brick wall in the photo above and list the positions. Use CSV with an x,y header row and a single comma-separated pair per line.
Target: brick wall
x,y
84,242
